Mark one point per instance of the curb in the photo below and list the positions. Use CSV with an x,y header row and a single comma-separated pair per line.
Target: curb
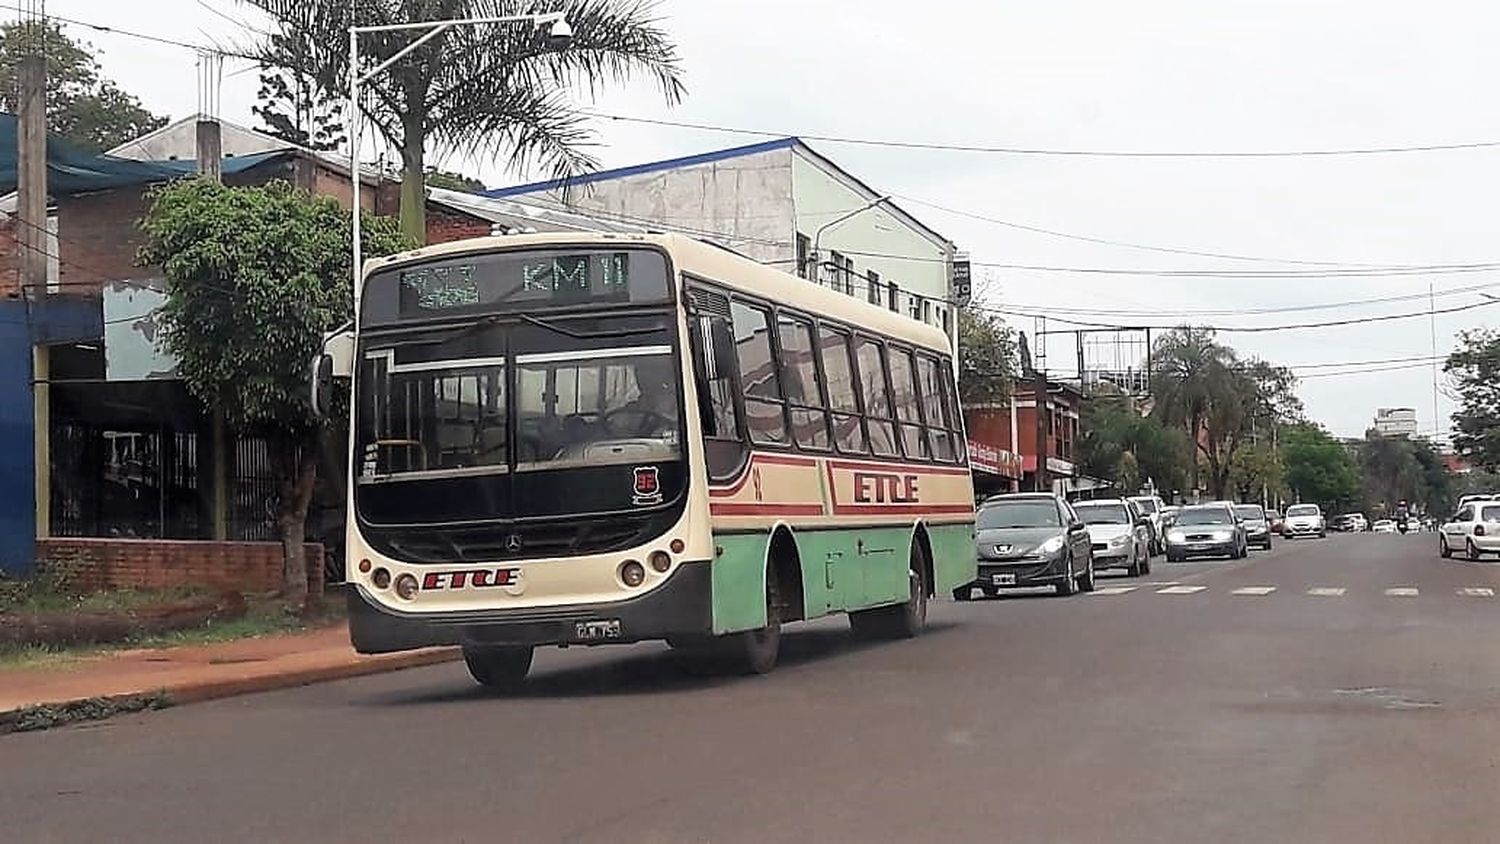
x,y
58,713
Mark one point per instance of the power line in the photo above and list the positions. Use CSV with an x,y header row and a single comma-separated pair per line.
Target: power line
x,y
1347,303
1043,151
99,27
1173,250
1231,329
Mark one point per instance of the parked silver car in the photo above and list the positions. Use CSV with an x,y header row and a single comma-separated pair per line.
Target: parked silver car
x,y
1120,533
1030,539
1154,509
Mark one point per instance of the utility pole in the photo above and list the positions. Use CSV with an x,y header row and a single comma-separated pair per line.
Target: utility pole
x,y
31,220
209,148
1039,387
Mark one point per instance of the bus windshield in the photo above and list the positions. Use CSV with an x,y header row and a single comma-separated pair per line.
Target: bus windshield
x,y
495,419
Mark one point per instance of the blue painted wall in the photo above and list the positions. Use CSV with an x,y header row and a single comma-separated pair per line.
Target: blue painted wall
x,y
54,319
17,478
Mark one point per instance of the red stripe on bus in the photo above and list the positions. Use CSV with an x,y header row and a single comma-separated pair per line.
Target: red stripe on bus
x,y
899,509
728,509
744,477
909,468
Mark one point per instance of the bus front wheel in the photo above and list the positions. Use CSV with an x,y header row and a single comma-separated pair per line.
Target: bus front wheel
x,y
503,668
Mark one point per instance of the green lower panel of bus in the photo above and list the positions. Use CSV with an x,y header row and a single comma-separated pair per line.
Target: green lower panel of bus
x,y
840,569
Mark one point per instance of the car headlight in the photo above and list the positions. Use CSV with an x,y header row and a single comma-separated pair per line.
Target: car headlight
x,y
1118,541
1176,536
1221,536
1051,546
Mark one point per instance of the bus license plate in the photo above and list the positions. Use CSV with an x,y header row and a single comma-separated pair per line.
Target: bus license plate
x,y
592,631
1003,580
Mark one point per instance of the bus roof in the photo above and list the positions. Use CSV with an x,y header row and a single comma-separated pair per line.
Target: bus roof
x,y
718,264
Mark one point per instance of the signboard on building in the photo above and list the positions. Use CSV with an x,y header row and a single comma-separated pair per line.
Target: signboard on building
x,y
963,281
1058,466
995,461
132,332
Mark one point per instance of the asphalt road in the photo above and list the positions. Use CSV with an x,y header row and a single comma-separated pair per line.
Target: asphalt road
x,y
1327,710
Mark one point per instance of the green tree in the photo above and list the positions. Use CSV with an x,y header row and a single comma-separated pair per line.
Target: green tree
x,y
986,357
292,106
1223,402
255,276
1255,472
1319,470
1118,444
492,88
83,107
1473,371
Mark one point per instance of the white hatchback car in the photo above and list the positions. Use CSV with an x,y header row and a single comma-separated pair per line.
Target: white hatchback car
x,y
1304,520
1474,529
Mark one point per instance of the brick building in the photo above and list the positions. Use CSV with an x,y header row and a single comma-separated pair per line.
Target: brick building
x,y
1010,427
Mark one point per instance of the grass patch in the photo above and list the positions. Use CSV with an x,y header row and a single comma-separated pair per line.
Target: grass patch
x,y
47,716
262,618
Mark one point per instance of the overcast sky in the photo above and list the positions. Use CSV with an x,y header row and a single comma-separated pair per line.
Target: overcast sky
x,y
1070,74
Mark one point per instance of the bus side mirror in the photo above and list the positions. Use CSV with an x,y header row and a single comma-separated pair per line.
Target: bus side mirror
x,y
335,361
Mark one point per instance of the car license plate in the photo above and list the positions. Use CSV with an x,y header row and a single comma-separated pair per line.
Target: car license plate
x,y
1003,579
591,631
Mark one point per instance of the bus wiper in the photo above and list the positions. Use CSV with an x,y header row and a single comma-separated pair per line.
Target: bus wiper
x,y
590,335
483,324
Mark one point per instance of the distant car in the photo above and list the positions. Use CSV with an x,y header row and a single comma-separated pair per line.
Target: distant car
x,y
1339,524
1257,525
1304,520
1152,506
1475,529
1207,530
1273,517
1384,526
1121,534
1030,539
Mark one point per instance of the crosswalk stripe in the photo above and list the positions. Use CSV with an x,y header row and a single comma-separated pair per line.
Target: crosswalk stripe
x,y
1402,592
1114,590
1326,591
1254,590
1477,592
1180,590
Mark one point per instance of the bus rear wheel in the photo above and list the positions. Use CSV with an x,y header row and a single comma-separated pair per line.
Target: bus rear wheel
x,y
499,667
902,621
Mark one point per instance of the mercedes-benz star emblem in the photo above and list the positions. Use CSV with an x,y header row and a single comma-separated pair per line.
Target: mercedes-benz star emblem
x,y
513,543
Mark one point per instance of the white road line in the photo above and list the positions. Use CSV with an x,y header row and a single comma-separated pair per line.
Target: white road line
x,y
1477,592
1161,583
1114,590
1180,590
1327,591
1402,592
1254,590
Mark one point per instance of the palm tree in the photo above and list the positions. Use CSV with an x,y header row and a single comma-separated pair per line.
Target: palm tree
x,y
495,89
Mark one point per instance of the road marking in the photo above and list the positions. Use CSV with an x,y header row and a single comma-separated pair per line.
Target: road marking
x,y
1477,592
1254,590
1402,592
1180,590
1326,591
1161,583
1114,590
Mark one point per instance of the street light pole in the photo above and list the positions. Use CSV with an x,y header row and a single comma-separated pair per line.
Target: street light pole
x,y
817,255
559,33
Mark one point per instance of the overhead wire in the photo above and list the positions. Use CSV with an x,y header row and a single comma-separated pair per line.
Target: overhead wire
x,y
1048,151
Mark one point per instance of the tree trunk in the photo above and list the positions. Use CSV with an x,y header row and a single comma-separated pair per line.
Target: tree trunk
x,y
413,182
296,462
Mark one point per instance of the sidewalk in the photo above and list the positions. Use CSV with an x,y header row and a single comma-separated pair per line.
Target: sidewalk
x,y
202,672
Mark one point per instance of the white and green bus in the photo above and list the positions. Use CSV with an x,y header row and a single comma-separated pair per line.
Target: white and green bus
x,y
598,438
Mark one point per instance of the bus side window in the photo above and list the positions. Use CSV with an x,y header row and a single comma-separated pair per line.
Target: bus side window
x,y
765,409
848,430
935,409
713,355
908,411
800,376
955,415
871,364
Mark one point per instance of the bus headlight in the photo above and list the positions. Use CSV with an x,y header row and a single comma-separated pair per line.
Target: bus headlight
x,y
632,573
406,587
660,561
381,578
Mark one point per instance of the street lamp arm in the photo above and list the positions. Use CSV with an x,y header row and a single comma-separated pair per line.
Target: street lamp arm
x,y
437,29
548,17
818,235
